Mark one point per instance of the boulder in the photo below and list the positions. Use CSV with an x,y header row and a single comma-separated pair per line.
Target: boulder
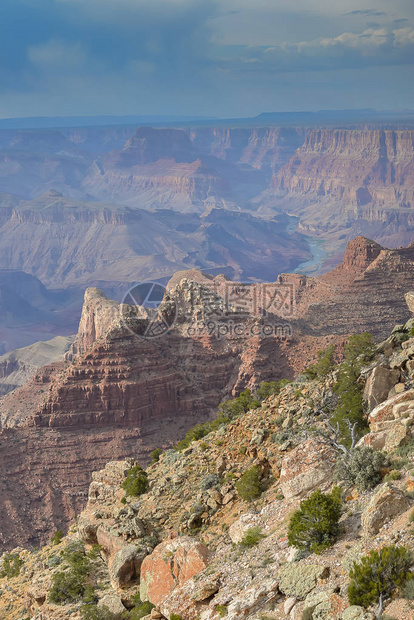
x,y
409,299
387,503
114,604
324,605
205,590
238,529
397,435
355,612
376,441
171,564
251,600
124,566
379,383
297,581
389,411
307,467
289,605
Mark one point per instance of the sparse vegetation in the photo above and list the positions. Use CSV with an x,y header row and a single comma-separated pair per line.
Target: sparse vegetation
x,y
361,467
270,388
249,487
136,482
92,612
324,364
57,537
140,610
241,404
378,575
314,526
252,537
408,591
69,585
221,610
11,565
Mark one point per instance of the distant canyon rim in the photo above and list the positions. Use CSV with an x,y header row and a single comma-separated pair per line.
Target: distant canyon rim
x,y
111,206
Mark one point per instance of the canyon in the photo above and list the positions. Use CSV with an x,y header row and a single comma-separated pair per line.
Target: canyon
x,y
119,394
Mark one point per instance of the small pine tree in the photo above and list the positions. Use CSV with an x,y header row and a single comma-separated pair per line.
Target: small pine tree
x,y
350,409
314,526
155,455
57,537
136,482
378,574
249,487
324,364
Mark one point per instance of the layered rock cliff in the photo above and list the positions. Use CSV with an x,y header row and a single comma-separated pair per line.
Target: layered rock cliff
x,y
351,181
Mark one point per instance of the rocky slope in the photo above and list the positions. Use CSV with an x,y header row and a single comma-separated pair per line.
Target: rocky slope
x,y
119,394
181,544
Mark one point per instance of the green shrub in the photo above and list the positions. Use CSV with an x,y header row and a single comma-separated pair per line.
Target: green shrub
x,y
378,574
221,610
362,467
11,565
175,617
408,591
324,364
251,537
141,610
270,388
406,450
57,537
92,612
393,475
69,586
249,487
350,408
241,404
136,482
155,455
315,525
209,481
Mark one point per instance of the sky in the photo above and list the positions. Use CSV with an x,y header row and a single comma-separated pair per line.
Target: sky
x,y
216,58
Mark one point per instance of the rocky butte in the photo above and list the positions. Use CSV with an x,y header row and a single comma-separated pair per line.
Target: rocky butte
x,y
119,395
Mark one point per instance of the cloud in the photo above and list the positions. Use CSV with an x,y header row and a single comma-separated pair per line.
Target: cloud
x,y
128,56
372,47
367,13
57,56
